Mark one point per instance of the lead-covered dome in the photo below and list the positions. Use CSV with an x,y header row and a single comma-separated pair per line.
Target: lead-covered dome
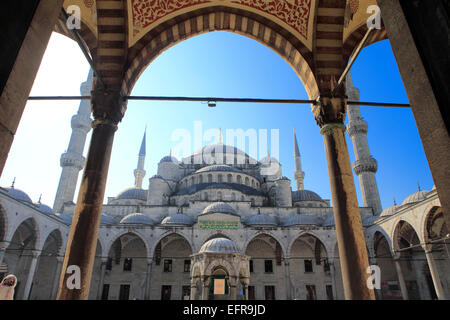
x,y
389,211
133,194
300,219
44,208
169,159
178,219
64,218
18,195
219,207
261,220
218,167
415,197
305,195
219,245
137,218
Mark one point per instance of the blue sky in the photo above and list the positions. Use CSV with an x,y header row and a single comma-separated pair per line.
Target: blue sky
x,y
225,65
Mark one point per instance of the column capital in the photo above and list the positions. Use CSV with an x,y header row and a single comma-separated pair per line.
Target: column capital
x,y
3,245
330,110
60,259
35,253
149,260
108,106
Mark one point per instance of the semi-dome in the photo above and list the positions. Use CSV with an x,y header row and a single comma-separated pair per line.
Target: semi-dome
x,y
219,245
218,167
133,194
169,159
329,221
219,207
300,219
18,195
178,219
415,197
261,220
44,208
389,211
64,218
305,195
137,218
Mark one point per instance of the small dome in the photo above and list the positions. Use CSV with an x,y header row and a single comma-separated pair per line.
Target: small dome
x,y
329,221
415,197
300,219
218,167
44,208
104,219
64,218
305,195
284,178
137,218
169,159
178,219
268,159
261,220
157,176
389,211
219,207
133,194
18,195
219,245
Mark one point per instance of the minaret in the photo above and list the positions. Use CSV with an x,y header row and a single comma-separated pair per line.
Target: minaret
x,y
72,161
139,173
365,165
299,175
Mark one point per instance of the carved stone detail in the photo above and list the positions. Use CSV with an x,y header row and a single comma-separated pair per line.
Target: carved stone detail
x,y
107,106
330,110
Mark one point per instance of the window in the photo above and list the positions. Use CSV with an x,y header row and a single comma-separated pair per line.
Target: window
x,y
268,266
308,266
219,195
219,178
187,265
185,292
166,292
247,181
167,265
124,293
238,179
329,290
269,292
109,264
127,263
251,265
326,266
105,292
229,178
251,293
310,292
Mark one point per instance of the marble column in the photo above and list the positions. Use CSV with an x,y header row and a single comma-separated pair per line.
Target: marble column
x,y
287,278
205,293
34,258
59,261
435,275
193,288
401,278
108,109
148,276
104,261
329,113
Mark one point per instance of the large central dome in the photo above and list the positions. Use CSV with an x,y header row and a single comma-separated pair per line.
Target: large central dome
x,y
219,153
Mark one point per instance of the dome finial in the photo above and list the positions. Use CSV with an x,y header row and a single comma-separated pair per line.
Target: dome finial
x,y
40,197
170,152
418,185
395,203
14,181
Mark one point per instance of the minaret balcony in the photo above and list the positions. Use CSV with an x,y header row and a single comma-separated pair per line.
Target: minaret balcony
x,y
357,126
81,123
69,159
365,165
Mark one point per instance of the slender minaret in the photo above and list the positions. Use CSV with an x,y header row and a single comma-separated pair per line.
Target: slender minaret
x,y
139,172
365,165
72,161
299,175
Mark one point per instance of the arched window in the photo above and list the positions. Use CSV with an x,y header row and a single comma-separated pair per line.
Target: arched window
x,y
239,179
229,178
247,181
219,195
233,196
242,198
219,178
205,196
253,183
192,181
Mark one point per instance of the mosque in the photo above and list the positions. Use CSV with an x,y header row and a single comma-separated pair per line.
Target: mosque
x,y
222,225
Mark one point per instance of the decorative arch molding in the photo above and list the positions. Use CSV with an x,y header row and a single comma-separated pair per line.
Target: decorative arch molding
x,y
47,234
122,233
372,243
395,229
219,18
220,262
371,238
166,234
312,234
265,233
428,211
17,225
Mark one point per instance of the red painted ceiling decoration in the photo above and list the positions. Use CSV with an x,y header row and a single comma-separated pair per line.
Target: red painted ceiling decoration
x,y
294,13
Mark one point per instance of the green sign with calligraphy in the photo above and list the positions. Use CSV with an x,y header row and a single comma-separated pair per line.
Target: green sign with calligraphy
x,y
218,225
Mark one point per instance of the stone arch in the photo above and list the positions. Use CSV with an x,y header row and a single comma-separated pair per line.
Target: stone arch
x,y
31,224
312,234
220,18
274,236
371,238
318,245
167,234
433,225
122,233
404,230
220,263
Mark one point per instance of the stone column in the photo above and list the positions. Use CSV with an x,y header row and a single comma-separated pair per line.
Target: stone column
x,y
435,275
108,109
287,278
193,288
59,261
34,257
148,276
329,113
205,292
102,277
429,103
27,36
401,278
333,279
